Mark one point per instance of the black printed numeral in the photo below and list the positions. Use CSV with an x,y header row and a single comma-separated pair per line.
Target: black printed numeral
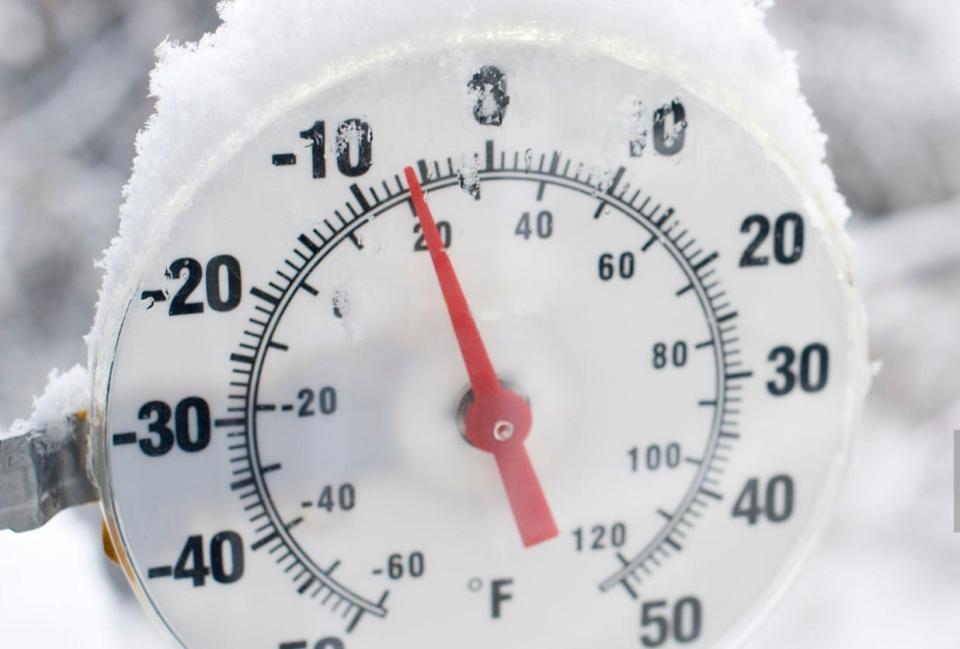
x,y
622,266
353,147
811,374
654,457
446,236
772,500
669,128
539,225
314,402
488,86
400,566
600,537
669,355
190,431
788,236
337,497
222,280
682,622
226,560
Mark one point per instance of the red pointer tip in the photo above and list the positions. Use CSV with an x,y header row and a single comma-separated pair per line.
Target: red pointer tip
x,y
498,420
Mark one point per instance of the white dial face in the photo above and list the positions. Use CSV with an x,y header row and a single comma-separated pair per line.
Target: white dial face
x,y
286,449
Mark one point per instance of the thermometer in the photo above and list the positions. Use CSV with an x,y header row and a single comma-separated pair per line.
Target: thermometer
x,y
507,340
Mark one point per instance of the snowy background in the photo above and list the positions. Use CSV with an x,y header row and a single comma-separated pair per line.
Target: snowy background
x,y
883,76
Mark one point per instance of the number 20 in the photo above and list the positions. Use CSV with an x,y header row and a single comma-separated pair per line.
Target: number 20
x,y
221,271
790,223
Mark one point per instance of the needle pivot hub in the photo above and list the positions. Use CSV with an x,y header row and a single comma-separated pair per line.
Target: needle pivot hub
x,y
502,431
496,420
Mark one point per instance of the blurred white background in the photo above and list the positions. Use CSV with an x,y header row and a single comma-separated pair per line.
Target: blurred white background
x,y
883,76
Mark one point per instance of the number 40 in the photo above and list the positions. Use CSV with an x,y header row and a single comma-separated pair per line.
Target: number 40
x,y
773,501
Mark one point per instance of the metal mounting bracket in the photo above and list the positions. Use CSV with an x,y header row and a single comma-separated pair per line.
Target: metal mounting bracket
x,y
42,472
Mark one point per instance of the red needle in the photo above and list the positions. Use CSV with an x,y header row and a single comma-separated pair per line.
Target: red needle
x,y
498,420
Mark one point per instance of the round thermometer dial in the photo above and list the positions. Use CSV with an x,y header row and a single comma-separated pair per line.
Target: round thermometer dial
x,y
523,349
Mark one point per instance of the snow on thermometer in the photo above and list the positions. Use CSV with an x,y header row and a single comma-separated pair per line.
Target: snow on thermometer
x,y
509,331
